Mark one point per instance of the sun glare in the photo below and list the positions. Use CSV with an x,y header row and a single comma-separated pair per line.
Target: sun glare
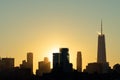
x,y
53,50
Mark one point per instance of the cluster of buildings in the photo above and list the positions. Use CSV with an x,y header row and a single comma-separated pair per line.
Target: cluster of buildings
x,y
29,63
61,61
43,67
8,63
101,66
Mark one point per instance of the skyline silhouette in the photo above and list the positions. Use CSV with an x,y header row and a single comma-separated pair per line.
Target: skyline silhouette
x,y
61,66
44,26
61,60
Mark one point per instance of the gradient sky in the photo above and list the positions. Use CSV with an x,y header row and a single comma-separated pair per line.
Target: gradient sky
x,y
42,26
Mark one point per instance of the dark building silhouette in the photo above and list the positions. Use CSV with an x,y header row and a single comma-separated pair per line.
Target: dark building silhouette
x,y
79,61
6,63
43,67
101,55
101,66
94,68
116,68
28,63
61,60
16,73
64,57
30,60
56,59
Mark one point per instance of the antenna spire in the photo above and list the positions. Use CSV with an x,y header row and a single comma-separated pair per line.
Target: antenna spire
x,y
101,27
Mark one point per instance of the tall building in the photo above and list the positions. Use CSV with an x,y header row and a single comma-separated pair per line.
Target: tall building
x,y
30,60
29,63
43,67
79,61
61,61
56,59
6,63
101,66
64,58
101,54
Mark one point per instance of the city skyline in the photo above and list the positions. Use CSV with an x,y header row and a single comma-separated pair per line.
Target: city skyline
x,y
42,27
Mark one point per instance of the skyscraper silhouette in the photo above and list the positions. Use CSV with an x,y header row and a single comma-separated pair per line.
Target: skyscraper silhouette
x,y
6,63
56,59
64,58
43,67
30,60
101,66
101,54
61,60
79,61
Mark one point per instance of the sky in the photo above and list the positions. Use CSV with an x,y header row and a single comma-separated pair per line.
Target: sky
x,y
44,26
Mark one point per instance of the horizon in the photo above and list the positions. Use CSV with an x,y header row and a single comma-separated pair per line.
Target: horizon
x,y
42,27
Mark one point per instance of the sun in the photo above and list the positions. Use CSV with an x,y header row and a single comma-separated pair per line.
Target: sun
x,y
50,56
55,49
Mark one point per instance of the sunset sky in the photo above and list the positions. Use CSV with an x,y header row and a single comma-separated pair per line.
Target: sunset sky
x,y
44,26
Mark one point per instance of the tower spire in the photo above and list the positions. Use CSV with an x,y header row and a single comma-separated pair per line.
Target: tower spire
x,y
101,27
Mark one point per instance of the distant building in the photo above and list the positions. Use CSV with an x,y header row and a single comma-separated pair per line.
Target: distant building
x,y
116,68
97,68
61,61
101,66
79,61
29,63
43,67
6,63
24,64
30,60
56,59
94,68
101,54
64,57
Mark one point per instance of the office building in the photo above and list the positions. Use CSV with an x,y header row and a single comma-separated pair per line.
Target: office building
x,y
101,54
29,63
43,67
56,59
94,68
30,60
6,63
79,61
61,61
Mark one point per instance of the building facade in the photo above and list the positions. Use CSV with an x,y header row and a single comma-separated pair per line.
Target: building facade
x,y
43,67
79,61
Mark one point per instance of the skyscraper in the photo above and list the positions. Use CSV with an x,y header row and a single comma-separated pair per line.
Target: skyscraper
x,y
101,66
101,54
61,61
30,60
56,59
43,67
64,58
79,61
